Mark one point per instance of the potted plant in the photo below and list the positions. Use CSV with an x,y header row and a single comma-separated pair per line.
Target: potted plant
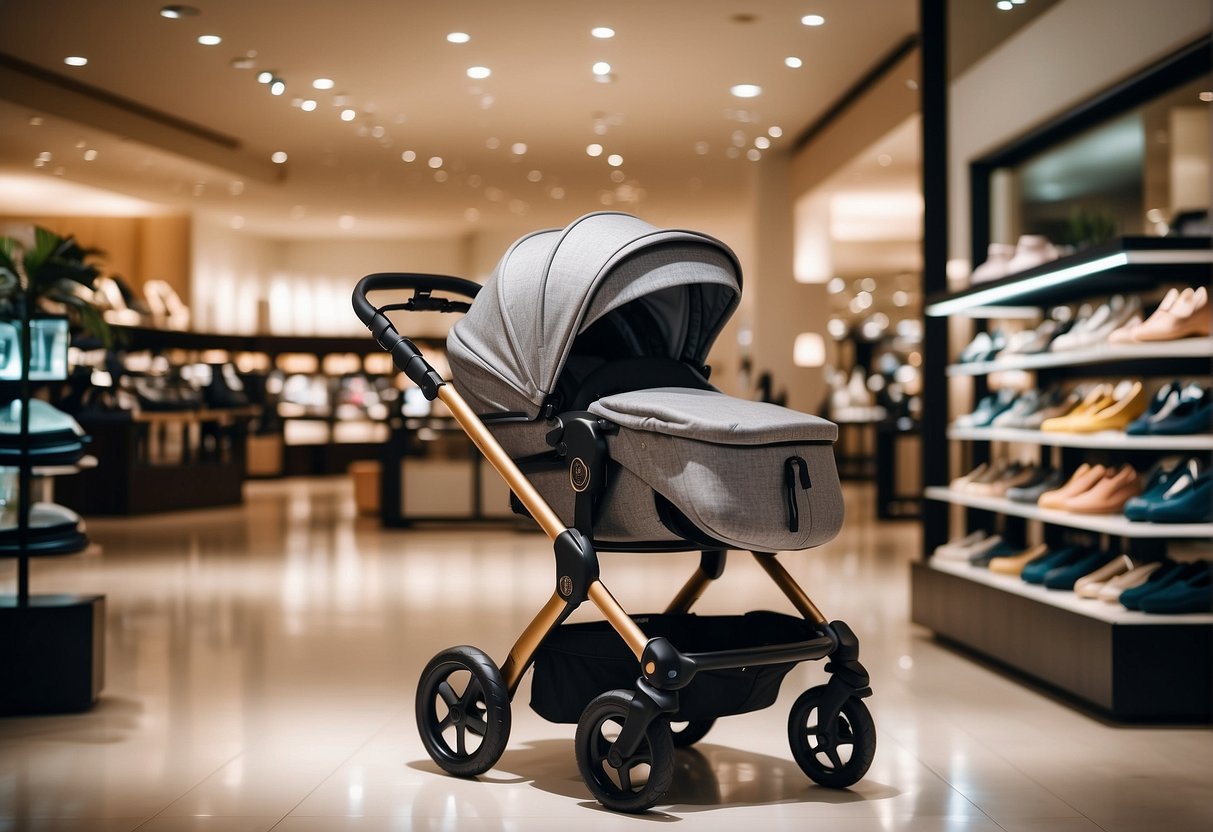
x,y
51,276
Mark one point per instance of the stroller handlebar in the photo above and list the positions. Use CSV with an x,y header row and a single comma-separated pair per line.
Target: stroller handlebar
x,y
404,353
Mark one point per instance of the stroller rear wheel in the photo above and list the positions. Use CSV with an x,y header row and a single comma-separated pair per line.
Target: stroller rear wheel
x,y
836,755
686,734
637,782
463,711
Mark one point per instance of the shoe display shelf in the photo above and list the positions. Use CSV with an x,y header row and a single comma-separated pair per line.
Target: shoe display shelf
x,y
1129,665
52,647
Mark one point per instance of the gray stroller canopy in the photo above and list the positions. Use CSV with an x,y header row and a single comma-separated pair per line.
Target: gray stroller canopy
x,y
508,351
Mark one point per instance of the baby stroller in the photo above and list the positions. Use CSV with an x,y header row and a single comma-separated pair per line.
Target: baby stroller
x,y
579,373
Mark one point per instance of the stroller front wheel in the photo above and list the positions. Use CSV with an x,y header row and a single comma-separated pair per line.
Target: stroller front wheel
x,y
463,711
837,755
638,781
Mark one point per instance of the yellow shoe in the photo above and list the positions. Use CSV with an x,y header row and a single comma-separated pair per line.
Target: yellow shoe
x,y
1130,404
1098,398
1014,564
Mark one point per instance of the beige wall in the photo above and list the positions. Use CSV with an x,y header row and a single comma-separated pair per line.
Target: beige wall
x,y
1061,59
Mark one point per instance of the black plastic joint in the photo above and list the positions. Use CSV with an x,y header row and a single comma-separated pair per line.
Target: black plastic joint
x,y
576,566
412,363
844,663
384,333
647,704
664,667
847,648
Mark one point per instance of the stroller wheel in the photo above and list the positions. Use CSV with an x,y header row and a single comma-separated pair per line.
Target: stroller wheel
x,y
463,711
686,734
835,755
637,782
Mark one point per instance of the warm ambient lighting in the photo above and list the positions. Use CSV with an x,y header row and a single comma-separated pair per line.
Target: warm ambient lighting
x,y
775,132
277,86
813,20
210,40
1206,96
178,12
435,162
793,63
278,158
458,37
614,160
264,76
518,148
746,90
601,68
809,350
602,32
593,150
307,105
1005,5
479,72
409,156
322,84
349,115
76,60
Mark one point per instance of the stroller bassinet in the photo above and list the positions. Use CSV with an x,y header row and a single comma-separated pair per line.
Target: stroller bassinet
x,y
615,317
579,372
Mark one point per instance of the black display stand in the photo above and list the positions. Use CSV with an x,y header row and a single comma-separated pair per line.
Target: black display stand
x,y
52,647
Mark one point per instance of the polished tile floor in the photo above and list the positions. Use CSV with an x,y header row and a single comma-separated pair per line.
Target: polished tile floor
x,y
261,663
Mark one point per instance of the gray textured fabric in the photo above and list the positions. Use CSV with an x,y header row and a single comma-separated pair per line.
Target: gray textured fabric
x,y
711,416
508,350
723,463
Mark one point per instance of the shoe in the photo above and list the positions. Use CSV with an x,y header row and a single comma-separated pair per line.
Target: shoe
x,y
1048,480
1193,593
1187,501
988,409
1191,414
1181,315
1023,407
1162,577
1065,576
1128,402
1097,398
998,255
1109,495
1124,333
1058,405
1135,577
996,481
1158,482
964,553
1166,399
1087,328
1090,585
1014,564
1035,572
960,482
1031,250
1080,481
983,557
168,311
971,539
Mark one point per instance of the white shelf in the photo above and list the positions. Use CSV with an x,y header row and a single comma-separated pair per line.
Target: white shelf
x,y
83,464
1113,439
1113,524
1103,354
1062,599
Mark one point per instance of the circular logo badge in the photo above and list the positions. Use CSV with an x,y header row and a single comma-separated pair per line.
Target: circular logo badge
x,y
579,475
566,586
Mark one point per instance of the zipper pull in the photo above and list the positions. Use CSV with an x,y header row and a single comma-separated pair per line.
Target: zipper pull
x,y
790,477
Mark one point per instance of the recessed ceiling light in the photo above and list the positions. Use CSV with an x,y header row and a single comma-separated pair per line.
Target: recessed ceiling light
x,y
75,60
90,155
762,142
346,221
264,76
408,156
243,62
1005,5
278,157
210,40
349,115
775,131
458,37
793,62
322,84
601,68
614,160
435,162
479,72
178,12
518,148
602,32
1206,96
746,90
277,86
753,154
307,105
813,20
593,150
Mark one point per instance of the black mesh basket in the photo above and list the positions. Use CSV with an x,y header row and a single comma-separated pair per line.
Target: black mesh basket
x,y
579,661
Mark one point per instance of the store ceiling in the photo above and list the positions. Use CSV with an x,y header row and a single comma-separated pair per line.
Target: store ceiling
x,y
174,123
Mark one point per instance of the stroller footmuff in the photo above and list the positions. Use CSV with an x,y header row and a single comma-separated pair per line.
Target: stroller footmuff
x,y
579,371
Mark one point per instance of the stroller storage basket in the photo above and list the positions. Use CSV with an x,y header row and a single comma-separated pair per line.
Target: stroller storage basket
x,y
577,662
